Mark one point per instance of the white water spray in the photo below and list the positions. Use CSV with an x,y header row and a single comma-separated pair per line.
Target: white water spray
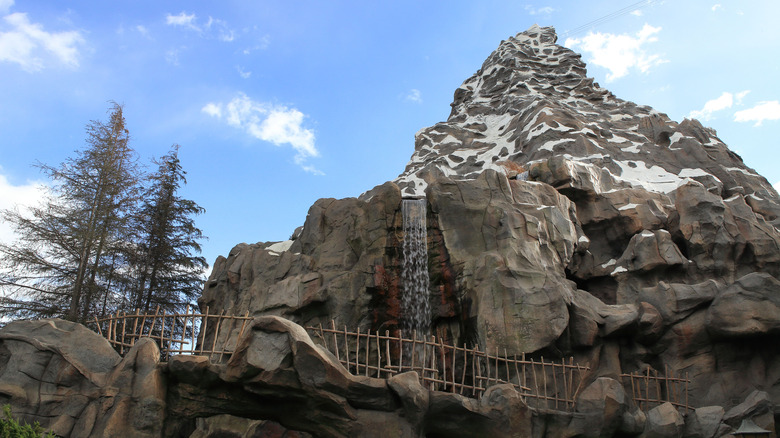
x,y
415,308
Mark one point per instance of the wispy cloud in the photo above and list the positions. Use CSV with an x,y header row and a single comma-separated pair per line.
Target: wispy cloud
x,y
720,103
716,6
5,6
212,27
620,53
544,10
32,47
243,73
414,95
276,124
762,111
182,19
17,196
142,30
636,13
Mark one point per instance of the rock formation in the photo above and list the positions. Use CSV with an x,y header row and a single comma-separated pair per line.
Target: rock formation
x,y
562,221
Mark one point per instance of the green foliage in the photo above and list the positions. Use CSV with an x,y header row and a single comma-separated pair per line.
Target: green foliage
x,y
10,428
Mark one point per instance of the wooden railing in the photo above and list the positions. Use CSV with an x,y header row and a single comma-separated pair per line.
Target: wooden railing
x,y
439,365
463,370
649,389
174,333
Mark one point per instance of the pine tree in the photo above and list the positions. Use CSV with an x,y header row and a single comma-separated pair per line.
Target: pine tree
x,y
169,274
60,265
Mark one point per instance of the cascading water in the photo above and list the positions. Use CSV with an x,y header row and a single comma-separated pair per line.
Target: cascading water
x,y
415,308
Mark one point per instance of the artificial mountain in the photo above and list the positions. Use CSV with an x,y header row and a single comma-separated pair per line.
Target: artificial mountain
x,y
562,221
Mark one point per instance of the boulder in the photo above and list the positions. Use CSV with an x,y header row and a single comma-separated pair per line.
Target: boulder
x,y
749,307
664,421
704,422
603,403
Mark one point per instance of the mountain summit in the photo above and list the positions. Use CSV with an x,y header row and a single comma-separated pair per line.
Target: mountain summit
x,y
532,100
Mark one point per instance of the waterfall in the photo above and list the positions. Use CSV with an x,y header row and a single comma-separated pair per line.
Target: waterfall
x,y
415,308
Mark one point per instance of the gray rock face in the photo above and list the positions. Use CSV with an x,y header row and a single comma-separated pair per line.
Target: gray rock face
x,y
562,221
69,379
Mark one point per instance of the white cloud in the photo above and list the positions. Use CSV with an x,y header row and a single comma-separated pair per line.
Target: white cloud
x,y
414,96
213,27
741,95
636,13
762,111
724,101
720,103
5,6
716,6
30,46
276,124
619,53
172,56
21,196
776,186
224,32
213,110
142,30
182,19
244,74
545,10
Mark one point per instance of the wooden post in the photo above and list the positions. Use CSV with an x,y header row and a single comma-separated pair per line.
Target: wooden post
x,y
536,383
335,339
517,374
387,350
203,329
487,361
378,357
124,325
424,356
162,336
346,345
368,349
110,328
571,378
555,383
565,384
135,326
544,376
100,330
443,363
647,387
357,352
400,353
474,372
465,366
506,364
523,359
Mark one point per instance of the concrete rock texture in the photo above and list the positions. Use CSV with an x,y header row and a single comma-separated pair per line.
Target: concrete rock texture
x,y
562,221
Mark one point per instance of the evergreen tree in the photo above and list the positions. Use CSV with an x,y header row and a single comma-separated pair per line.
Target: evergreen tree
x,y
169,274
60,264
102,241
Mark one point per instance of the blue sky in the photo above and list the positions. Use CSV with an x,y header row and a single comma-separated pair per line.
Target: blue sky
x,y
276,103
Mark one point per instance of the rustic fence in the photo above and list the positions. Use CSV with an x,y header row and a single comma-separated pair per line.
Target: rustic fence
x,y
175,333
463,370
649,389
440,366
